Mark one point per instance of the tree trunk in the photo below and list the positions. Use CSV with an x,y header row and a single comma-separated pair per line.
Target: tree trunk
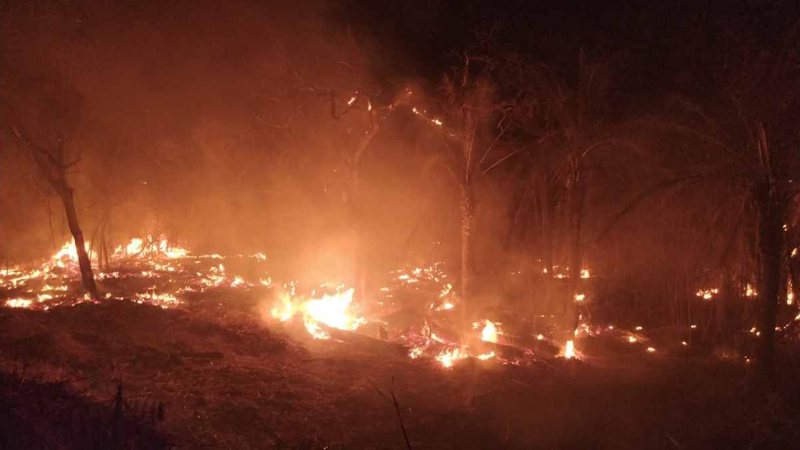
x,y
87,276
577,194
467,222
770,229
356,209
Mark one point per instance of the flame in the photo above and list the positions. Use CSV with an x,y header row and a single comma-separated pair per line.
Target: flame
x,y
707,294
150,246
19,303
157,299
489,332
449,356
135,246
333,310
569,350
485,356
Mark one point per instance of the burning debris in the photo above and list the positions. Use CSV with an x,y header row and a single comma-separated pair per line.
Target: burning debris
x,y
161,274
158,271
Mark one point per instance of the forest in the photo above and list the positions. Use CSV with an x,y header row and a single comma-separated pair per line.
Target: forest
x,y
422,224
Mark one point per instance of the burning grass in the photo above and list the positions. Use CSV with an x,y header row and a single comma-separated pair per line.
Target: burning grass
x,y
186,332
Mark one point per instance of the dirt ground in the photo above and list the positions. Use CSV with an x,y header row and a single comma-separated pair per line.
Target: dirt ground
x,y
213,375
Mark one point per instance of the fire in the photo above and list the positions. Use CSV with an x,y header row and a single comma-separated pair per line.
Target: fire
x,y
332,310
569,350
485,356
134,246
67,251
157,299
150,246
449,356
19,303
156,259
489,332
707,294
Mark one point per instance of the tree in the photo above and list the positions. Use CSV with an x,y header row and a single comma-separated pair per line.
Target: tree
x,y
54,115
472,127
562,124
745,152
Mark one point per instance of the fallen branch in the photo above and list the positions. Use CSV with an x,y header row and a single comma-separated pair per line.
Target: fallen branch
x,y
397,410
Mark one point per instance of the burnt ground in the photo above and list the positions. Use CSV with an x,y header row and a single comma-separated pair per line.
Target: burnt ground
x,y
214,376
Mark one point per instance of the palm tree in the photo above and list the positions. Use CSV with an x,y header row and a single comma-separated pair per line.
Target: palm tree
x,y
746,154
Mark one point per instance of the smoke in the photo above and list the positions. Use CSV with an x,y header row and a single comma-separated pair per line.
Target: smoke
x,y
203,121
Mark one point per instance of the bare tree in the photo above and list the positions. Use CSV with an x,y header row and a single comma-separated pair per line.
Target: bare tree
x,y
747,154
53,112
562,124
472,128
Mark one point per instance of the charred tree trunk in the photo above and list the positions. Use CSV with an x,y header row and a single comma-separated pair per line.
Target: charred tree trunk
x,y
84,263
770,236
